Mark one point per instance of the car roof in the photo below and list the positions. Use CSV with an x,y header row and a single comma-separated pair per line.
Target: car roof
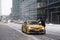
x,y
29,20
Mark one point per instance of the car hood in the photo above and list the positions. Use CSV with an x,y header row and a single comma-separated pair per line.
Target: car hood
x,y
36,26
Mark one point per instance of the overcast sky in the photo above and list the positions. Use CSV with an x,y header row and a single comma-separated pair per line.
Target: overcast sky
x,y
6,6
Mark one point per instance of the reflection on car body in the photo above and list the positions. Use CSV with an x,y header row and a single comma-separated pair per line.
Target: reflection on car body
x,y
33,26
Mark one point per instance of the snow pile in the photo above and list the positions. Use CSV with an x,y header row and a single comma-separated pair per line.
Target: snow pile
x,y
53,27
18,26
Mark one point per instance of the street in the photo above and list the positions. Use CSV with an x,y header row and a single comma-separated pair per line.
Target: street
x,y
53,33
12,31
7,33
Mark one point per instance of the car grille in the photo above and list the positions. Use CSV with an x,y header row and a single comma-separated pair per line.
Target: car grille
x,y
36,31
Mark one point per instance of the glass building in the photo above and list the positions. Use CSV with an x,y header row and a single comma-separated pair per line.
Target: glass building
x,y
0,7
34,9
53,8
0,11
15,9
30,9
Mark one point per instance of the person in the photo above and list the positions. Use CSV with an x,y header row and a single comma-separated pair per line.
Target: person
x,y
42,20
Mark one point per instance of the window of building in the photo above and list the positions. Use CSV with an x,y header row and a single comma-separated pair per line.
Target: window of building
x,y
51,1
59,9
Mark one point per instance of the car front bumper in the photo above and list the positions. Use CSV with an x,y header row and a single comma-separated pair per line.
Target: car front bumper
x,y
36,31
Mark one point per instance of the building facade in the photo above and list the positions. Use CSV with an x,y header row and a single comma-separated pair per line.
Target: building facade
x,y
15,9
28,9
51,9
34,9
0,7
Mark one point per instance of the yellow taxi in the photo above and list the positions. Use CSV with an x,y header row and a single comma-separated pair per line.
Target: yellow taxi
x,y
33,26
15,21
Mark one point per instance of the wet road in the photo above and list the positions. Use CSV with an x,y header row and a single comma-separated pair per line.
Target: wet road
x,y
52,33
14,33
7,33
49,36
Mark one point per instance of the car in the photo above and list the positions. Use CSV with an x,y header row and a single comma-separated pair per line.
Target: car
x,y
15,21
11,21
5,21
21,22
33,26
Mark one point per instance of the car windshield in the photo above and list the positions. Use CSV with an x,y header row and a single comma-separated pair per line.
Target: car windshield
x,y
33,22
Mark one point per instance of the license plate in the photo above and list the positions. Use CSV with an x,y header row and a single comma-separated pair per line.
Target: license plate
x,y
36,30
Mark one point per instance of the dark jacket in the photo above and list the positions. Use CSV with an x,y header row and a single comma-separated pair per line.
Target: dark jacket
x,y
42,21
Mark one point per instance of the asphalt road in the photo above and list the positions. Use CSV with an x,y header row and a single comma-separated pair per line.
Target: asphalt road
x,y
9,33
52,33
49,36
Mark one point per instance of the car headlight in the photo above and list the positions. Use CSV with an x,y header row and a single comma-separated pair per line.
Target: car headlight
x,y
29,27
43,28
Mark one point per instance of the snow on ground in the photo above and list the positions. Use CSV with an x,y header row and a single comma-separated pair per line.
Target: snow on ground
x,y
49,27
14,25
53,27
18,28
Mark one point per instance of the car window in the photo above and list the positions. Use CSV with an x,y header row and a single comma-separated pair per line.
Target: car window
x,y
25,22
33,22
